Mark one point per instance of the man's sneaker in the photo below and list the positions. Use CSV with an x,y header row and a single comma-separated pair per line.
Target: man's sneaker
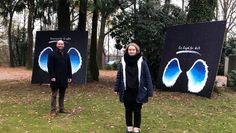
x,y
62,111
52,113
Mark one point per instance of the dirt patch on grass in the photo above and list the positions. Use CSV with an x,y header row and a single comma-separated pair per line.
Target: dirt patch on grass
x,y
18,73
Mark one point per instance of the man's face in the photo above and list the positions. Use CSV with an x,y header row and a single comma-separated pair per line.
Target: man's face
x,y
60,45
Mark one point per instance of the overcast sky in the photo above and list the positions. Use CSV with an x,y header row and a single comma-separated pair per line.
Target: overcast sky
x,y
177,2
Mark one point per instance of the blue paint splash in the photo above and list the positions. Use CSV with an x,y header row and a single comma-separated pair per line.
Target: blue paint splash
x,y
197,76
171,72
43,58
75,59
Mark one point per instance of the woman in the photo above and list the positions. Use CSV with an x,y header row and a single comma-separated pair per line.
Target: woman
x,y
134,86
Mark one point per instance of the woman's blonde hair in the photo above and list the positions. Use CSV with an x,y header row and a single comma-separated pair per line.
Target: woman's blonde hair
x,y
135,45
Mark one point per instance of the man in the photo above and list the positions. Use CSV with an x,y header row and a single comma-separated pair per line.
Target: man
x,y
59,69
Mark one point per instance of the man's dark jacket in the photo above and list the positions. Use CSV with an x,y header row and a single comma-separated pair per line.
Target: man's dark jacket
x,y
59,67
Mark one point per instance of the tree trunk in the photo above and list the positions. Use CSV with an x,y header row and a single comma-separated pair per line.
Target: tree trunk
x,y
29,54
17,42
100,43
11,52
82,15
217,11
135,18
93,48
201,11
183,5
167,1
63,13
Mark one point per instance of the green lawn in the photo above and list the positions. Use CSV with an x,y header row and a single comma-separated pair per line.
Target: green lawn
x,y
94,108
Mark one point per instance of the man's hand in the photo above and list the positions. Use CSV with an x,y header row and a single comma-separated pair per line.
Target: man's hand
x,y
53,79
69,80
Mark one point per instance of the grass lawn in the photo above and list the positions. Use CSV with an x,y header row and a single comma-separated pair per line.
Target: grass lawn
x,y
94,108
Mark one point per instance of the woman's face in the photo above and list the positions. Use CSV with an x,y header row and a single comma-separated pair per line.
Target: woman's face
x,y
132,51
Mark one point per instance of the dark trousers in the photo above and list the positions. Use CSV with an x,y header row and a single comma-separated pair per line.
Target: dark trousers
x,y
60,99
132,110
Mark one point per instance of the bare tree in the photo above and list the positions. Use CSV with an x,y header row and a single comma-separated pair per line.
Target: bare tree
x,y
93,65
63,13
227,8
167,1
82,15
106,8
31,8
7,11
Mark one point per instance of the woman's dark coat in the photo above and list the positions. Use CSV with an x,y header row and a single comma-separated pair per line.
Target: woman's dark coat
x,y
145,89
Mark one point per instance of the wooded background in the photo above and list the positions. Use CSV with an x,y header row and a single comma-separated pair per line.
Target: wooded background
x,y
143,21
